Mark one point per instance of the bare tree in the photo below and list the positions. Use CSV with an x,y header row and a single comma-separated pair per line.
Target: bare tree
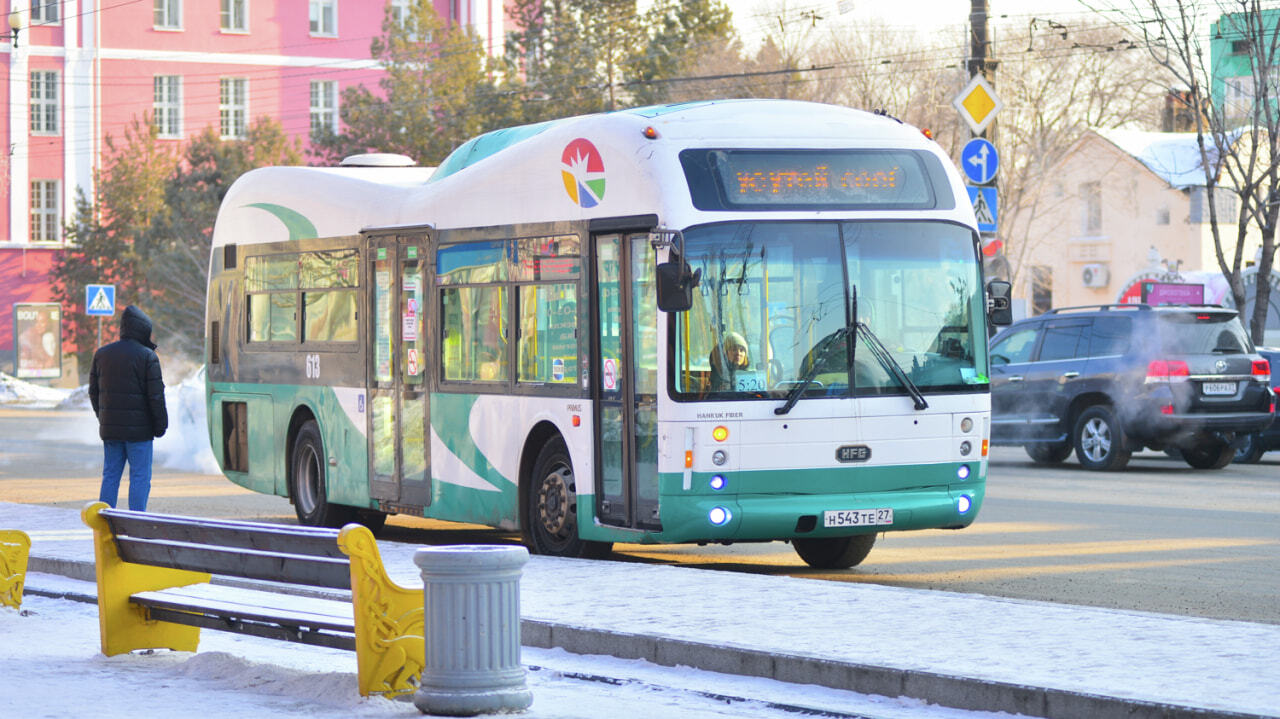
x,y
1237,142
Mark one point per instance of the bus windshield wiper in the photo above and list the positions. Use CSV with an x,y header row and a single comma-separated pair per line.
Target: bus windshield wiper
x,y
891,365
819,355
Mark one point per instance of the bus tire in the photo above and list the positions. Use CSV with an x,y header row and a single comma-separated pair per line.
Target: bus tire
x,y
373,519
308,482
834,552
551,520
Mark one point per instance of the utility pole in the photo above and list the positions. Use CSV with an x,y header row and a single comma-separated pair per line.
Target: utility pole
x,y
981,64
980,61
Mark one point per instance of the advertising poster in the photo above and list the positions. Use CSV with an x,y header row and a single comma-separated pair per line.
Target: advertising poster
x,y
37,335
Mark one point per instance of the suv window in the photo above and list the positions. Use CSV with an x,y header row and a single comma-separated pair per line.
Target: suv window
x,y
1015,347
1189,333
1110,336
1065,340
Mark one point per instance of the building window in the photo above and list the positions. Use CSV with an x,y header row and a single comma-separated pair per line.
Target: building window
x,y
1091,207
1041,289
1237,96
1162,215
324,106
167,105
168,14
44,12
400,11
44,102
233,107
45,218
324,17
235,15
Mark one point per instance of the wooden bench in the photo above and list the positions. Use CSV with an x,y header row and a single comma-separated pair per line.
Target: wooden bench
x,y
154,590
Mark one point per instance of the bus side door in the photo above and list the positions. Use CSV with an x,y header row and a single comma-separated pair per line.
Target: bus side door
x,y
625,386
399,462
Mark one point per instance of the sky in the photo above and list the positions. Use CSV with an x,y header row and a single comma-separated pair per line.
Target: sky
x,y
1192,661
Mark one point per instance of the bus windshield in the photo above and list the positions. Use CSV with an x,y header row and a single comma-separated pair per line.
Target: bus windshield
x,y
771,294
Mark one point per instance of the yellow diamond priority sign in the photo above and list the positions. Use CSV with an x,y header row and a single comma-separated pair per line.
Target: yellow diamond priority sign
x,y
978,104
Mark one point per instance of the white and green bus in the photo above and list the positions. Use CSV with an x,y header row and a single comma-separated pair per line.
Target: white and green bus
x,y
713,322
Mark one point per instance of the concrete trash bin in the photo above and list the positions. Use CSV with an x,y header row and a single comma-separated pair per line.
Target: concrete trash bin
x,y
471,597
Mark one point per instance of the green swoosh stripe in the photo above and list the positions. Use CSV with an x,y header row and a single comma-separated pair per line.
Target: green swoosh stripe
x,y
300,228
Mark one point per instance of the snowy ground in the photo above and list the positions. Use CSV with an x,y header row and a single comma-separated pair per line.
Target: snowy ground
x,y
50,666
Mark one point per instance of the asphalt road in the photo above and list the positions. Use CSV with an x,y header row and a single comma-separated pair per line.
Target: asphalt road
x,y
1158,536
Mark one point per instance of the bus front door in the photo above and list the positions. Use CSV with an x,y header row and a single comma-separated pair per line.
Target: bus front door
x,y
625,386
399,467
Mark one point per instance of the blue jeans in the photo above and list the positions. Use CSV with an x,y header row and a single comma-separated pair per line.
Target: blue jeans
x,y
138,454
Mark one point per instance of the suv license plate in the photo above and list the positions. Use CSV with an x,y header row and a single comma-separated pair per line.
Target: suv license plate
x,y
857,517
1219,388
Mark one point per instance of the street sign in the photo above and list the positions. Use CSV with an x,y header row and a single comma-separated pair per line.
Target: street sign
x,y
100,300
985,207
978,104
979,160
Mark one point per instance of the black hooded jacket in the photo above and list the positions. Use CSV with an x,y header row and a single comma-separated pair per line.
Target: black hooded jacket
x,y
125,385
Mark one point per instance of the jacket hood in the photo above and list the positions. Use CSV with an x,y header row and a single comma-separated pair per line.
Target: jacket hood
x,y
136,325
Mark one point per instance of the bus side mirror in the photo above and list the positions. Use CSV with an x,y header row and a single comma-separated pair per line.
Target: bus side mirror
x,y
675,286
999,306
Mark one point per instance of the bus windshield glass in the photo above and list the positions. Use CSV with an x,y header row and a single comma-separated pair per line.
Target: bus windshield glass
x,y
771,293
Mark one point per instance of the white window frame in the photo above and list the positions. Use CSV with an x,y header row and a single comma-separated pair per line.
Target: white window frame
x,y
233,16
45,12
325,112
400,11
317,16
233,107
46,216
166,106
45,118
1238,95
168,14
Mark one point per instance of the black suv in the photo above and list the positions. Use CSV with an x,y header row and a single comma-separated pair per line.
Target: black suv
x,y
1109,380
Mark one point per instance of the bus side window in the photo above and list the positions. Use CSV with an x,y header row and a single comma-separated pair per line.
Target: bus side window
x,y
474,333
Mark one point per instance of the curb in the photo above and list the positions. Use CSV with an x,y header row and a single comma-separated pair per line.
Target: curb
x,y
959,692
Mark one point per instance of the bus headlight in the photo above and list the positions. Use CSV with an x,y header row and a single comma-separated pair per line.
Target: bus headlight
x,y
963,472
964,504
966,425
719,457
717,482
719,516
966,448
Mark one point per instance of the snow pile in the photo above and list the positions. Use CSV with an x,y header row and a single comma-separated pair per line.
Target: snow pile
x,y
185,446
14,391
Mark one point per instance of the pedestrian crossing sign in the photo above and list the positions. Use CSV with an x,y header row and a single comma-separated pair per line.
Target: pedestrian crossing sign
x,y
985,207
100,300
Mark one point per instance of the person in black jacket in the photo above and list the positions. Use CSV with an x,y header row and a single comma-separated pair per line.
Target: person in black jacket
x,y
127,393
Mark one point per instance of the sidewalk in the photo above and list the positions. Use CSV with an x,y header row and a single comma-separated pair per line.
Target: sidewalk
x,y
965,651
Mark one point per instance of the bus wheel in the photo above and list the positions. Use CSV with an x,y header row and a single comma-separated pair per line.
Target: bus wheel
x,y
307,482
551,521
834,553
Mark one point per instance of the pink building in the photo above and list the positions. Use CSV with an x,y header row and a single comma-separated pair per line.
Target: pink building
x,y
83,69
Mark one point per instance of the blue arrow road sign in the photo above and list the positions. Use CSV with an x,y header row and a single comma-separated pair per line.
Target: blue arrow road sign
x,y
985,207
979,161
100,300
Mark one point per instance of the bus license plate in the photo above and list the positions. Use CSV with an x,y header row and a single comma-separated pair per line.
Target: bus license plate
x,y
1219,388
857,517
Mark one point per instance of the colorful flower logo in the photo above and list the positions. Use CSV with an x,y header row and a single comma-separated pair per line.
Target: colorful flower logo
x,y
582,170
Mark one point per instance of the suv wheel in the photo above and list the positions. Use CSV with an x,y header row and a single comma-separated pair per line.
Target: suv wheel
x,y
1098,441
1211,454
1049,452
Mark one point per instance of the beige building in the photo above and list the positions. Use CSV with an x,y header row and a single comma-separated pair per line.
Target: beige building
x,y
1120,204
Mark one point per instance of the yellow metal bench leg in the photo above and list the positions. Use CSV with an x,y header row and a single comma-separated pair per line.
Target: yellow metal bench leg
x,y
15,548
388,618
123,626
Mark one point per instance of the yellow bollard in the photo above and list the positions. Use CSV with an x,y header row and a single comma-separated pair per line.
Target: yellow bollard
x,y
15,547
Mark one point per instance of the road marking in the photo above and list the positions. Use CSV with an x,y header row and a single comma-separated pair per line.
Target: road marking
x,y
961,553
